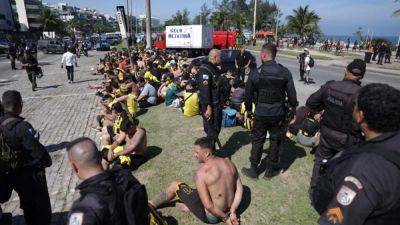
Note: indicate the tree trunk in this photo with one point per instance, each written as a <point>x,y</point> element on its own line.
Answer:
<point>148,24</point>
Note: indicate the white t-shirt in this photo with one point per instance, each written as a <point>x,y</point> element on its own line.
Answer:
<point>306,62</point>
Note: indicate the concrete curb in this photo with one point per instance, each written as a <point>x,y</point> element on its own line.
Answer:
<point>394,73</point>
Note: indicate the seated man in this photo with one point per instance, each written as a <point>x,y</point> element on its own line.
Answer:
<point>130,155</point>
<point>190,100</point>
<point>148,94</point>
<point>219,188</point>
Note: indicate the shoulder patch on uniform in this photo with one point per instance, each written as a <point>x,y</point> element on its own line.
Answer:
<point>76,219</point>
<point>205,77</point>
<point>345,195</point>
<point>354,181</point>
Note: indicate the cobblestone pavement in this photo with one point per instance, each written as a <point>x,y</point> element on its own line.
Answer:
<point>61,112</point>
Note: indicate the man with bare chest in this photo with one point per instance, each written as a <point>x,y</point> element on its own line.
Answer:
<point>132,154</point>
<point>218,190</point>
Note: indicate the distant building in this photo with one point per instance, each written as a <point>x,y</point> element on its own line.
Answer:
<point>6,16</point>
<point>28,13</point>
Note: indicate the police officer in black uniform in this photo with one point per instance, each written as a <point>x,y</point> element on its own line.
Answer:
<point>27,172</point>
<point>103,199</point>
<point>336,100</point>
<point>360,186</point>
<point>211,95</point>
<point>269,87</point>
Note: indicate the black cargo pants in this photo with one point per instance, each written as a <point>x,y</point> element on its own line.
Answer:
<point>263,124</point>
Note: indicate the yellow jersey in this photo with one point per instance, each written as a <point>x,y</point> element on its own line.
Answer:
<point>132,105</point>
<point>191,107</point>
<point>149,76</point>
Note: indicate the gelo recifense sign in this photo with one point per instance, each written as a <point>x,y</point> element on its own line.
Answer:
<point>178,33</point>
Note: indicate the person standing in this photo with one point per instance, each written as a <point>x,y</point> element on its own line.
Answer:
<point>105,196</point>
<point>388,54</point>
<point>211,96</point>
<point>69,59</point>
<point>242,62</point>
<point>307,66</point>
<point>361,185</point>
<point>301,58</point>
<point>336,100</point>
<point>25,173</point>
<point>398,52</point>
<point>381,53</point>
<point>269,87</point>
<point>30,63</point>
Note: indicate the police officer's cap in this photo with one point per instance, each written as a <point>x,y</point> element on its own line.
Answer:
<point>357,67</point>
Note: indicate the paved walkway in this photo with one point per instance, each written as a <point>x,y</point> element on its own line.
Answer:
<point>62,112</point>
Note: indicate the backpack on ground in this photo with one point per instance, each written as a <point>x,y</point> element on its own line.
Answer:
<point>311,63</point>
<point>228,117</point>
<point>9,158</point>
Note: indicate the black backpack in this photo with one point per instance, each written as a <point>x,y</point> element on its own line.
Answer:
<point>9,158</point>
<point>135,198</point>
<point>311,63</point>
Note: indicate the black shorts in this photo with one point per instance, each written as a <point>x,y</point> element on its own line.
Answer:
<point>190,197</point>
<point>136,161</point>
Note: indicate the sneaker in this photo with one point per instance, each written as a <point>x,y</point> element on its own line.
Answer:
<point>250,172</point>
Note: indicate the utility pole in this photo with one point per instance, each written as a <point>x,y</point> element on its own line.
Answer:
<point>276,26</point>
<point>148,24</point>
<point>254,19</point>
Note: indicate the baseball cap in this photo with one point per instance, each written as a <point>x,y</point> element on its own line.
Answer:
<point>357,67</point>
<point>306,49</point>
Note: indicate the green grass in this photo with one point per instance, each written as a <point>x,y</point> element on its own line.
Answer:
<point>281,201</point>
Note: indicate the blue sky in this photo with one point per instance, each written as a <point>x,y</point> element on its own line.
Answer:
<point>339,17</point>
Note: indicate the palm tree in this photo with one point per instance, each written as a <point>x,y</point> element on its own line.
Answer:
<point>303,21</point>
<point>49,20</point>
<point>74,24</point>
<point>180,18</point>
<point>397,12</point>
<point>220,20</point>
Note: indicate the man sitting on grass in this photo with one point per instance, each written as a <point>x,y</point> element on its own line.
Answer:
<point>218,190</point>
<point>130,154</point>
<point>148,94</point>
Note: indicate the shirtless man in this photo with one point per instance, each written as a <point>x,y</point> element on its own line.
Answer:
<point>130,155</point>
<point>218,190</point>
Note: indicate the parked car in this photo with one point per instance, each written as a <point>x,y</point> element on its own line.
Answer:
<point>52,46</point>
<point>103,45</point>
<point>66,39</point>
<point>228,57</point>
<point>4,46</point>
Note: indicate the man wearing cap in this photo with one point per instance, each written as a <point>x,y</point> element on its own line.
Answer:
<point>69,58</point>
<point>336,100</point>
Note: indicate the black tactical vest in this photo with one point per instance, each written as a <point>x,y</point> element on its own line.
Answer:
<point>339,103</point>
<point>271,88</point>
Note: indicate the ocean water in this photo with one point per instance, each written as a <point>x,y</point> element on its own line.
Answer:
<point>392,39</point>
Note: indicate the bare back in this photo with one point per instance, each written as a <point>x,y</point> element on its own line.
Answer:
<point>220,176</point>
